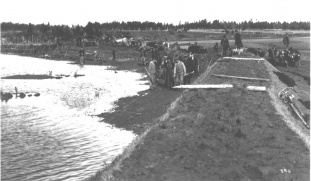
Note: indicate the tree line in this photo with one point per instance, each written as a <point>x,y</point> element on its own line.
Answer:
<point>64,32</point>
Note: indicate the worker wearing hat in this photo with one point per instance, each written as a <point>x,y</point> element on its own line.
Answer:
<point>225,45</point>
<point>179,70</point>
<point>286,41</point>
<point>152,73</point>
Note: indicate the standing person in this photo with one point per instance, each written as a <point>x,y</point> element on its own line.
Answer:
<point>82,54</point>
<point>196,65</point>
<point>168,67</point>
<point>152,73</point>
<point>286,41</point>
<point>190,67</point>
<point>143,56</point>
<point>179,71</point>
<point>274,52</point>
<point>113,54</point>
<point>238,41</point>
<point>225,45</point>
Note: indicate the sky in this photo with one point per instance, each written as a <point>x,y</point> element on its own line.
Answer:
<point>74,12</point>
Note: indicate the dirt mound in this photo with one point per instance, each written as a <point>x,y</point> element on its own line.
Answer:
<point>225,134</point>
<point>220,135</point>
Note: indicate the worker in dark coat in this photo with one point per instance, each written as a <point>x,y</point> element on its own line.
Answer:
<point>238,41</point>
<point>225,45</point>
<point>190,68</point>
<point>167,64</point>
<point>286,41</point>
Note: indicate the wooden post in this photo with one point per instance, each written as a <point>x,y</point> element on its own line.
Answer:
<point>218,86</point>
<point>237,77</point>
<point>16,91</point>
<point>210,86</point>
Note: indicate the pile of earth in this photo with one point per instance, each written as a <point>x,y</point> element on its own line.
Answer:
<point>220,134</point>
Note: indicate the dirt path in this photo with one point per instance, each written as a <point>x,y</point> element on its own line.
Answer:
<point>225,134</point>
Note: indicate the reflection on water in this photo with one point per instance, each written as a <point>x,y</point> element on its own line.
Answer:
<point>54,136</point>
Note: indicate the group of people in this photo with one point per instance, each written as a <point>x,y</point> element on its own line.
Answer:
<point>238,43</point>
<point>287,47</point>
<point>177,70</point>
<point>225,44</point>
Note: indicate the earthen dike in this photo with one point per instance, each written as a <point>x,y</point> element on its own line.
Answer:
<point>221,134</point>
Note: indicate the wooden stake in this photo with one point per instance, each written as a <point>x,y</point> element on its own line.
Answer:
<point>210,86</point>
<point>246,78</point>
<point>218,86</point>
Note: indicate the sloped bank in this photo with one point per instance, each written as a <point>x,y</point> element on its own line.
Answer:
<point>220,134</point>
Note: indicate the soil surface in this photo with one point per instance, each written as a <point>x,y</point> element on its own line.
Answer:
<point>223,134</point>
<point>139,112</point>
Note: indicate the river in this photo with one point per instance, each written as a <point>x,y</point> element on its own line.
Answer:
<point>57,136</point>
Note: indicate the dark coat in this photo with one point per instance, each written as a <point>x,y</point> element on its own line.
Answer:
<point>286,40</point>
<point>238,41</point>
<point>224,43</point>
<point>189,65</point>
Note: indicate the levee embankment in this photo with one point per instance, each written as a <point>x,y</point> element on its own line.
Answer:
<point>221,134</point>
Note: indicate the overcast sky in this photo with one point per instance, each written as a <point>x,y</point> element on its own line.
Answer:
<point>73,12</point>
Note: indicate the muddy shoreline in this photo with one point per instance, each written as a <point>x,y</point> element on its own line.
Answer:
<point>135,113</point>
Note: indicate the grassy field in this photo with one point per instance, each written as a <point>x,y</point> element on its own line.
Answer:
<point>300,43</point>
<point>198,35</point>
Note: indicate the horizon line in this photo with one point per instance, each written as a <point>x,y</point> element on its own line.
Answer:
<point>220,21</point>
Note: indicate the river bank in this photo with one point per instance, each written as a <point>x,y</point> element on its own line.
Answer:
<point>139,114</point>
<point>135,113</point>
<point>224,134</point>
<point>55,136</point>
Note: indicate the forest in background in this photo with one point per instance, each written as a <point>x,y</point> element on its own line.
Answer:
<point>64,32</point>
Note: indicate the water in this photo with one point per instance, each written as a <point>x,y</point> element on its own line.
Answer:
<point>56,136</point>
